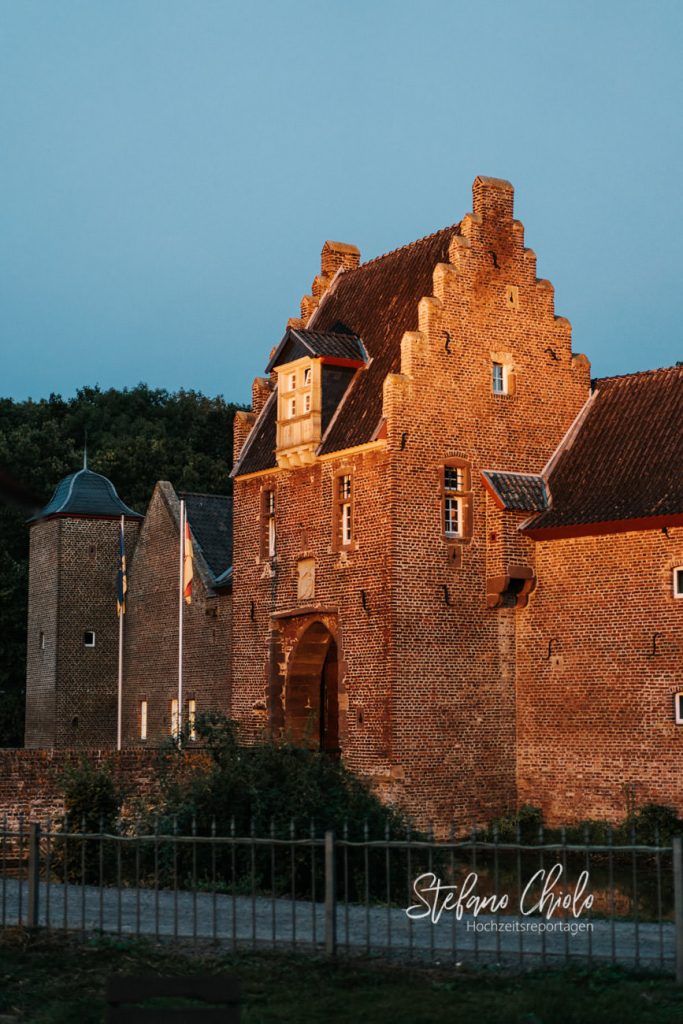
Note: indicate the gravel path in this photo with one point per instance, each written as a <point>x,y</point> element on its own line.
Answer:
<point>282,922</point>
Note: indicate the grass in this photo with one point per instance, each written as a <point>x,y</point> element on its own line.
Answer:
<point>48,981</point>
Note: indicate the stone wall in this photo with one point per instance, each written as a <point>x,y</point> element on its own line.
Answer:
<point>29,778</point>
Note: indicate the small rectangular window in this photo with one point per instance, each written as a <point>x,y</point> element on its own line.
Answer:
<point>453,478</point>
<point>268,531</point>
<point>143,719</point>
<point>291,408</point>
<point>678,581</point>
<point>88,638</point>
<point>41,640</point>
<point>453,516</point>
<point>307,376</point>
<point>343,511</point>
<point>498,378</point>
<point>678,708</point>
<point>456,501</point>
<point>307,402</point>
<point>292,381</point>
<point>192,719</point>
<point>174,718</point>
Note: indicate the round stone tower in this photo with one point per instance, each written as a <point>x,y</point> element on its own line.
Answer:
<point>72,642</point>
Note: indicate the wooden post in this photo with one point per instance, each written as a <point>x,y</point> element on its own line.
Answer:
<point>33,875</point>
<point>330,897</point>
<point>678,905</point>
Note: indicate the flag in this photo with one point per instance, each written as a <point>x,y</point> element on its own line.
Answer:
<point>187,565</point>
<point>122,581</point>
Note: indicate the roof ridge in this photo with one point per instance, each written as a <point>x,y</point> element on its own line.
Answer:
<point>401,248</point>
<point>638,373</point>
<point>203,494</point>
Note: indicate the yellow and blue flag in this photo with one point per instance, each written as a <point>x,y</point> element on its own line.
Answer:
<point>122,581</point>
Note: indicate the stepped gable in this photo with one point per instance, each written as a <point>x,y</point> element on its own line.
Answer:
<point>85,494</point>
<point>376,302</point>
<point>622,466</point>
<point>210,519</point>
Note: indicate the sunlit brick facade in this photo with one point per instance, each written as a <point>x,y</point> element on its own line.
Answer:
<point>454,558</point>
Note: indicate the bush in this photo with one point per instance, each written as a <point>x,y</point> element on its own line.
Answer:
<point>275,791</point>
<point>92,804</point>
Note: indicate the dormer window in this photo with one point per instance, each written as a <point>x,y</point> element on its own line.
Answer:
<point>314,371</point>
<point>299,416</point>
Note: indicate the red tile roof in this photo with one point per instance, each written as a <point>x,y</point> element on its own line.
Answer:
<point>377,302</point>
<point>625,462</point>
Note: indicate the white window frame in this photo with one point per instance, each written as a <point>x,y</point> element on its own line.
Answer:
<point>345,505</point>
<point>192,719</point>
<point>678,708</point>
<point>678,590</point>
<point>307,402</point>
<point>92,634</point>
<point>143,719</point>
<point>271,523</point>
<point>504,374</point>
<point>175,721</point>
<point>307,376</point>
<point>291,408</point>
<point>452,503</point>
<point>292,381</point>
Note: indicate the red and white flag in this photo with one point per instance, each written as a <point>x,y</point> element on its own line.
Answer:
<point>187,566</point>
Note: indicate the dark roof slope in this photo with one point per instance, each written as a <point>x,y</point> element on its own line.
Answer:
<point>626,460</point>
<point>520,492</point>
<point>377,302</point>
<point>298,343</point>
<point>210,518</point>
<point>85,494</point>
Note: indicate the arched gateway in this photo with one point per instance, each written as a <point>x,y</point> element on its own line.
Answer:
<point>311,702</point>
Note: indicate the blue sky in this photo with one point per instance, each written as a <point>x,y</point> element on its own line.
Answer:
<point>171,169</point>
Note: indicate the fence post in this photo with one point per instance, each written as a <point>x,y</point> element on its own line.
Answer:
<point>330,897</point>
<point>33,875</point>
<point>678,904</point>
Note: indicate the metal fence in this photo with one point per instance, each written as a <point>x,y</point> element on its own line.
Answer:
<point>474,898</point>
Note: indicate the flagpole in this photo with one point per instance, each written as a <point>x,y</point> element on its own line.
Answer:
<point>181,602</point>
<point>119,715</point>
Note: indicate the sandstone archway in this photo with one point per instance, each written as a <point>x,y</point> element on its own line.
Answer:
<point>311,692</point>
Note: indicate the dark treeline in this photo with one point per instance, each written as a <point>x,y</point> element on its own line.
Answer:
<point>135,437</point>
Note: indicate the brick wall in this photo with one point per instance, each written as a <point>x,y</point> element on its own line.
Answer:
<point>599,661</point>
<point>29,783</point>
<point>267,633</point>
<point>427,670</point>
<point>151,625</point>
<point>453,722</point>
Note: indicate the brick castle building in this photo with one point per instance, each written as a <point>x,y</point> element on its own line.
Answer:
<point>449,555</point>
